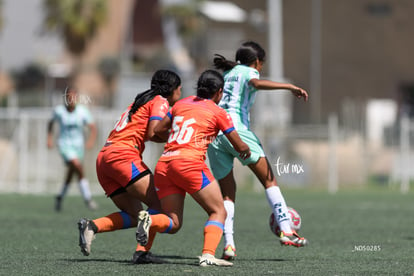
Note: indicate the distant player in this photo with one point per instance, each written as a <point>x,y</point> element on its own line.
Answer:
<point>72,119</point>
<point>242,81</point>
<point>194,122</point>
<point>122,173</point>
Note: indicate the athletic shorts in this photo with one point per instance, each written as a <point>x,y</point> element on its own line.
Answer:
<point>118,167</point>
<point>70,153</point>
<point>221,153</point>
<point>179,176</point>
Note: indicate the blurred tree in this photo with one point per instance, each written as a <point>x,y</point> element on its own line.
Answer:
<point>186,15</point>
<point>30,77</point>
<point>191,27</point>
<point>76,20</point>
<point>109,68</point>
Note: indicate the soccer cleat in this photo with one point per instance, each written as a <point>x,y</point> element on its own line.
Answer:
<point>143,227</point>
<point>86,236</point>
<point>144,257</point>
<point>58,203</point>
<point>210,260</point>
<point>292,239</point>
<point>91,205</point>
<point>229,253</point>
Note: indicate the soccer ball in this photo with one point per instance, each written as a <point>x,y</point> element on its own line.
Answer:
<point>295,222</point>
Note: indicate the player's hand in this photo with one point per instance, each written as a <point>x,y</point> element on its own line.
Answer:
<point>245,154</point>
<point>300,93</point>
<point>49,143</point>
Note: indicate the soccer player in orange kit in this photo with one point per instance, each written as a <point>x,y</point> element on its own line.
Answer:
<point>194,121</point>
<point>120,168</point>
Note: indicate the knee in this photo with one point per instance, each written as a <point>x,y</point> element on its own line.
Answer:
<point>222,213</point>
<point>219,214</point>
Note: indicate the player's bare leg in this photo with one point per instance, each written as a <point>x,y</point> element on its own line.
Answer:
<point>83,184</point>
<point>144,189</point>
<point>228,190</point>
<point>210,200</point>
<point>68,178</point>
<point>263,171</point>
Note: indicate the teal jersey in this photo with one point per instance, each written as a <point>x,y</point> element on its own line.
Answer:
<point>71,125</point>
<point>238,95</point>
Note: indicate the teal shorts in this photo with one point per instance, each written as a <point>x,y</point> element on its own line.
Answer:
<point>221,153</point>
<point>70,153</point>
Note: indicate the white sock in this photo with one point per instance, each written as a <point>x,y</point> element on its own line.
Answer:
<point>64,190</point>
<point>279,208</point>
<point>228,223</point>
<point>84,189</point>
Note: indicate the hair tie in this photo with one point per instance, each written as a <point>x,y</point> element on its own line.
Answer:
<point>238,62</point>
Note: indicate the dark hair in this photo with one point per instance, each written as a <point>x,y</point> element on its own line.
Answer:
<point>209,83</point>
<point>163,83</point>
<point>70,88</point>
<point>247,54</point>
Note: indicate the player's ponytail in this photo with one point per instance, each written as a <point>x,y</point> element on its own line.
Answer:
<point>222,63</point>
<point>209,83</point>
<point>247,54</point>
<point>163,83</point>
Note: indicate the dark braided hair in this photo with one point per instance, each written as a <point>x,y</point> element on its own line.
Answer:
<point>163,83</point>
<point>209,83</point>
<point>246,55</point>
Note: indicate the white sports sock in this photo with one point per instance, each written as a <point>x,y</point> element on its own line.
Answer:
<point>228,223</point>
<point>84,189</point>
<point>279,208</point>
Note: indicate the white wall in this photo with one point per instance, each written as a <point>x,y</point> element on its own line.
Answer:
<point>20,39</point>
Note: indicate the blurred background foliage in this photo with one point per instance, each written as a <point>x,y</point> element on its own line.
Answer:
<point>77,21</point>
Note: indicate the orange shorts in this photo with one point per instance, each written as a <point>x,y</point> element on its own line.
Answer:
<point>179,176</point>
<point>117,167</point>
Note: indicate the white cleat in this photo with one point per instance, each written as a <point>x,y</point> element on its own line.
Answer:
<point>292,239</point>
<point>210,260</point>
<point>86,236</point>
<point>92,205</point>
<point>229,253</point>
<point>143,227</point>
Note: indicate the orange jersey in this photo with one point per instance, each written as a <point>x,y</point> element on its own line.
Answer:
<point>134,133</point>
<point>195,124</point>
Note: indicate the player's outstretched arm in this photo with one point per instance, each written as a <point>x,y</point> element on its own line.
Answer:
<point>240,146</point>
<point>161,130</point>
<point>92,136</point>
<point>272,85</point>
<point>50,134</point>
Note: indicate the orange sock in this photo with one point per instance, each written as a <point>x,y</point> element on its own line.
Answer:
<point>112,222</point>
<point>213,231</point>
<point>161,223</point>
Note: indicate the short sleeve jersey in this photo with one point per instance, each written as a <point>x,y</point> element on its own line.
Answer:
<point>195,124</point>
<point>238,95</point>
<point>134,133</point>
<point>71,125</point>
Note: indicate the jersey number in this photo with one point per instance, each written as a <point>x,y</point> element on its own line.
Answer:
<point>182,134</point>
<point>122,122</point>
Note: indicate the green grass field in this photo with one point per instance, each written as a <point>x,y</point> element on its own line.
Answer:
<point>350,233</point>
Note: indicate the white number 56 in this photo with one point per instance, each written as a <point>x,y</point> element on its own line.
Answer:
<point>181,134</point>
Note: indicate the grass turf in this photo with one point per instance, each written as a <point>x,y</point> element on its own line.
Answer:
<point>350,233</point>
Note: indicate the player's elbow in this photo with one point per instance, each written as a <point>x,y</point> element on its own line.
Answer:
<point>157,139</point>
